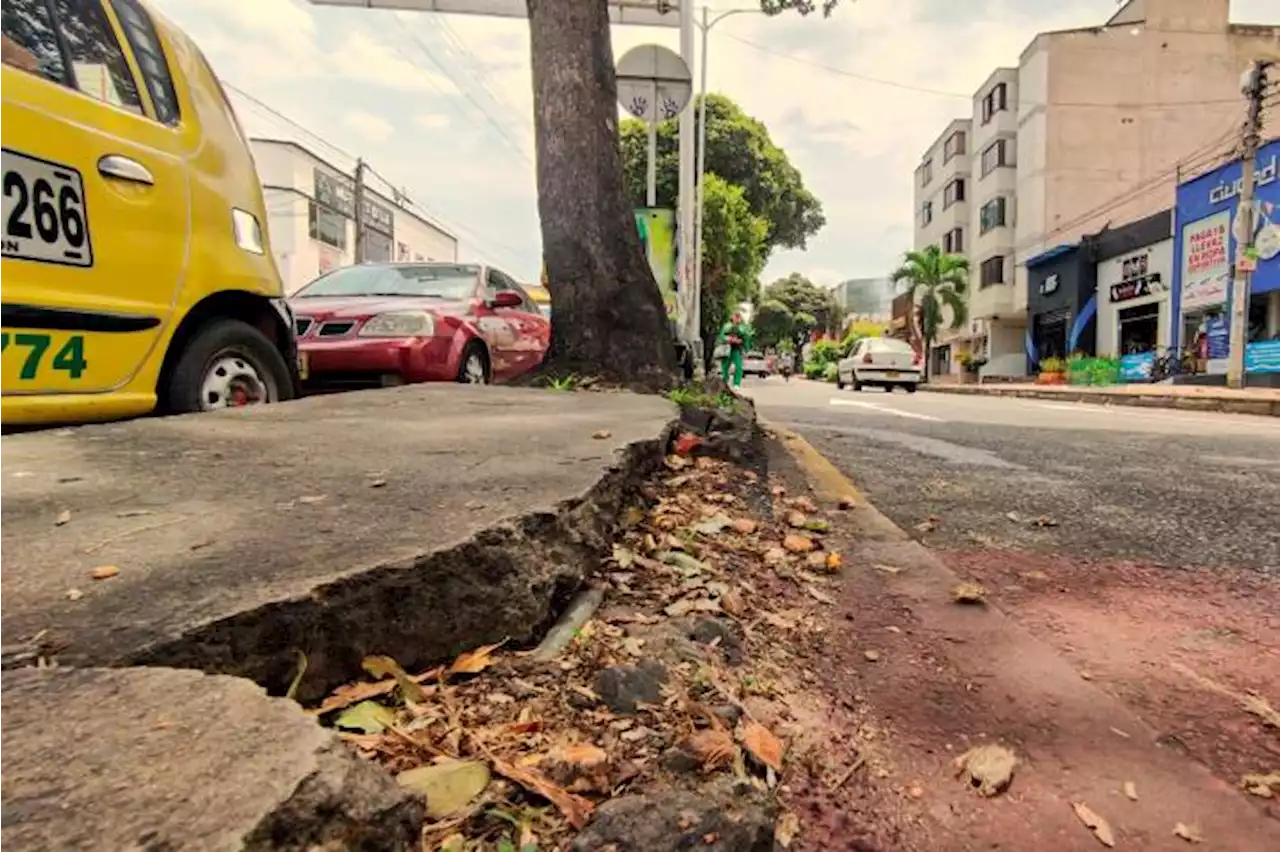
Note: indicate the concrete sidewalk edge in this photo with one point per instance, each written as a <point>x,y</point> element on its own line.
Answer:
<point>1207,402</point>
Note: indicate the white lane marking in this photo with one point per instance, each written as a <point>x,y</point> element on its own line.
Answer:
<point>879,409</point>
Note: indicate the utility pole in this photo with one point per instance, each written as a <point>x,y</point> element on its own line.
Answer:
<point>1253,84</point>
<point>357,201</point>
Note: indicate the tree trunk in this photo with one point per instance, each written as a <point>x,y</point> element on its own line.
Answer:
<point>608,318</point>
<point>928,356</point>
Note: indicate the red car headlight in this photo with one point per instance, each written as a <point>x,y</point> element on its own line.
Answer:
<point>400,324</point>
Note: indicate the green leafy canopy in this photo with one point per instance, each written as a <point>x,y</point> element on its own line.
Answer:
<point>936,281</point>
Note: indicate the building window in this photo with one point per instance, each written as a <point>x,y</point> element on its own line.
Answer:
<point>954,192</point>
<point>926,172</point>
<point>327,226</point>
<point>377,247</point>
<point>991,271</point>
<point>995,101</point>
<point>926,214</point>
<point>992,214</point>
<point>953,241</point>
<point>954,146</point>
<point>995,156</point>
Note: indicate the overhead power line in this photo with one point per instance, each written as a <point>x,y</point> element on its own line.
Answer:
<point>487,244</point>
<point>948,93</point>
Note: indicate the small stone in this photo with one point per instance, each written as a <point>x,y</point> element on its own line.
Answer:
<point>721,632</point>
<point>816,561</point>
<point>377,483</point>
<point>622,687</point>
<point>798,543</point>
<point>775,556</point>
<point>601,434</point>
<point>846,503</point>
<point>871,655</point>
<point>104,572</point>
<point>681,820</point>
<point>745,526</point>
<point>729,713</point>
<point>804,504</point>
<point>678,760</point>
<point>796,520</point>
<point>74,594</point>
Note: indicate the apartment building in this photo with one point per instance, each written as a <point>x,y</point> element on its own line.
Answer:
<point>942,209</point>
<point>865,297</point>
<point>1094,126</point>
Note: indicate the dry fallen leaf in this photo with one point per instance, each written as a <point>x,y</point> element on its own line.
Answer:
<point>786,829</point>
<point>1265,786</point>
<point>834,563</point>
<point>804,504</point>
<point>367,717</point>
<point>798,543</point>
<point>1101,828</point>
<point>382,666</point>
<point>888,569</point>
<point>763,745</point>
<point>312,499</point>
<point>816,561</point>
<point>987,768</point>
<point>968,593</point>
<point>74,594</point>
<point>713,746</point>
<point>820,596</point>
<point>449,786</point>
<point>104,572</point>
<point>926,526</point>
<point>583,756</point>
<point>474,662</point>
<point>1189,833</point>
<point>733,603</point>
<point>576,809</point>
<point>796,520</point>
<point>745,526</point>
<point>1260,707</point>
<point>1131,790</point>
<point>63,517</point>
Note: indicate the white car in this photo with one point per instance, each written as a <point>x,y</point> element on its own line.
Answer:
<point>880,362</point>
<point>755,364</point>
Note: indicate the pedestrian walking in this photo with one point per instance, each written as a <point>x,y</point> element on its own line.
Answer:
<point>737,335</point>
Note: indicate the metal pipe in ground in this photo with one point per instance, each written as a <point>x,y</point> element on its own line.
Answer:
<point>579,612</point>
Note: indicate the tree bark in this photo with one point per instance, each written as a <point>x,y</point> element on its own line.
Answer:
<point>608,318</point>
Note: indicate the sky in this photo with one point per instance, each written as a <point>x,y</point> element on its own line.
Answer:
<point>442,105</point>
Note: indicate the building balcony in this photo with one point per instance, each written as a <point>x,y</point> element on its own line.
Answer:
<point>990,302</point>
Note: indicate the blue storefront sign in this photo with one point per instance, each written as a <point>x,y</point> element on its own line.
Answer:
<point>1206,226</point>
<point>1262,357</point>
<point>1217,334</point>
<point>1137,368</point>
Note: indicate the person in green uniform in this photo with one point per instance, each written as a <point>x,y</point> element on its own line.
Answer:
<point>737,335</point>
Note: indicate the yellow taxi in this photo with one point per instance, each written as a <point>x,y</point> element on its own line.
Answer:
<point>136,272</point>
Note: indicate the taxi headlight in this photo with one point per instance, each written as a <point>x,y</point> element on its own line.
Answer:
<point>400,324</point>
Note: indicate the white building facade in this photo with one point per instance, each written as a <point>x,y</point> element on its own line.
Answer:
<point>311,217</point>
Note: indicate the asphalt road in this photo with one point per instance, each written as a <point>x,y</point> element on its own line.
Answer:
<point>1186,489</point>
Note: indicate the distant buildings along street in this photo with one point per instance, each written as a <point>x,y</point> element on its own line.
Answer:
<point>1093,129</point>
<point>870,297</point>
<point>311,217</point>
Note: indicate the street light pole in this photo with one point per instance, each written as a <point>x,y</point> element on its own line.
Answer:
<point>705,25</point>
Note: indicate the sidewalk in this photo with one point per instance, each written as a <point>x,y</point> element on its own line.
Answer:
<point>1259,401</point>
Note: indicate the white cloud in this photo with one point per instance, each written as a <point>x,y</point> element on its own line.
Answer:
<point>375,128</point>
<point>455,91</point>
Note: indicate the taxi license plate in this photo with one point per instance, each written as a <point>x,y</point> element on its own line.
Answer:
<point>45,219</point>
<point>303,366</point>
<point>893,374</point>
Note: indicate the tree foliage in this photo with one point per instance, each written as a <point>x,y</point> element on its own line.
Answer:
<point>740,151</point>
<point>732,257</point>
<point>811,306</point>
<point>937,282</point>
<point>773,322</point>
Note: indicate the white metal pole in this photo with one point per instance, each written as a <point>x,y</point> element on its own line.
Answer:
<point>651,167</point>
<point>700,176</point>
<point>687,180</point>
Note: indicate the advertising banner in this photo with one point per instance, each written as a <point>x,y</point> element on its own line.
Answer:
<point>657,228</point>
<point>1137,368</point>
<point>1205,264</point>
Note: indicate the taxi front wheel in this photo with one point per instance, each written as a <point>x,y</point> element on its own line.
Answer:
<point>228,364</point>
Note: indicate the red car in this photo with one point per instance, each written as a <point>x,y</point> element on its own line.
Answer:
<point>383,324</point>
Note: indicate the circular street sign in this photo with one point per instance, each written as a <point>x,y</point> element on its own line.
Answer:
<point>654,83</point>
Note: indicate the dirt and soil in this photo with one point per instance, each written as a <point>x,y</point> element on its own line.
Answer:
<point>764,675</point>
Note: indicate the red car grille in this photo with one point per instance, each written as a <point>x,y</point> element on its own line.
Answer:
<point>335,329</point>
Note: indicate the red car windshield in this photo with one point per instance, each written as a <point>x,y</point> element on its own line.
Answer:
<point>430,280</point>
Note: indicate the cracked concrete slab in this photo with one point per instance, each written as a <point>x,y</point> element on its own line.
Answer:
<point>413,522</point>
<point>164,760</point>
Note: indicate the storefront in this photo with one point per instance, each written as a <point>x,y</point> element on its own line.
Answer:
<point>1134,275</point>
<point>1061,304</point>
<point>1206,233</point>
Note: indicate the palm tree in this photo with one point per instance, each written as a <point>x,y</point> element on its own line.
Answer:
<point>935,278</point>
